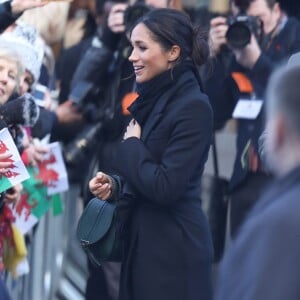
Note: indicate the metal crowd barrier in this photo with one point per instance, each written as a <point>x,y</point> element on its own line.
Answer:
<point>57,264</point>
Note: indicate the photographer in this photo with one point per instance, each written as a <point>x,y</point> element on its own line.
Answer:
<point>243,61</point>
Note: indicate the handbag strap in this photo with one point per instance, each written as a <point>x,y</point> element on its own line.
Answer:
<point>215,156</point>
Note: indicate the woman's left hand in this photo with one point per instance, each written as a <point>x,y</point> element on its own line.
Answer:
<point>133,130</point>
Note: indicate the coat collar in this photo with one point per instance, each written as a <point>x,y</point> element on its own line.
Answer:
<point>157,113</point>
<point>158,109</point>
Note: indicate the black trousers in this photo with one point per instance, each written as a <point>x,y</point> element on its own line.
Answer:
<point>244,197</point>
<point>96,286</point>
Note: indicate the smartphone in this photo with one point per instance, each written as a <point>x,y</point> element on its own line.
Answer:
<point>39,94</point>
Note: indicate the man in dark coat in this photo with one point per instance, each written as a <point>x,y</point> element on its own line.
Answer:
<point>262,262</point>
<point>241,72</point>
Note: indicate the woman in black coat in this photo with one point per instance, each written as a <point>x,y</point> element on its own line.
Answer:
<point>167,245</point>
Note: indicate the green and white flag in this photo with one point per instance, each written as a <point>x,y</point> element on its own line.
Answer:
<point>17,172</point>
<point>42,190</point>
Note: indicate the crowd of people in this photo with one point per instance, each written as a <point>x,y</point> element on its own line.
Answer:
<point>135,101</point>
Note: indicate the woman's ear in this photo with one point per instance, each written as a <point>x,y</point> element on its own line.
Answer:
<point>174,53</point>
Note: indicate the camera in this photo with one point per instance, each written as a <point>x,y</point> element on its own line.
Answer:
<point>39,94</point>
<point>134,12</point>
<point>240,29</point>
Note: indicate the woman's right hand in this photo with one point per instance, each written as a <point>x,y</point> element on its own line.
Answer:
<point>101,186</point>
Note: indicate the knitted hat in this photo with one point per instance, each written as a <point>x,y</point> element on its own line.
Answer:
<point>29,45</point>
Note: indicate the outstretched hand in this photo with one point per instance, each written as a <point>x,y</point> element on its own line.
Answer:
<point>35,153</point>
<point>19,6</point>
<point>67,112</point>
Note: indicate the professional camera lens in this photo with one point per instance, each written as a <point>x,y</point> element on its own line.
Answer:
<point>238,35</point>
<point>240,29</point>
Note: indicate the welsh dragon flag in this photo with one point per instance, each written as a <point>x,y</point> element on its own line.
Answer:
<point>41,191</point>
<point>17,172</point>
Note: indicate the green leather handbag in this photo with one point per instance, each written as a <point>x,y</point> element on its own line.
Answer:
<point>97,232</point>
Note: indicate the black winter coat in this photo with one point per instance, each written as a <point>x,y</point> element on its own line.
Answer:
<point>168,249</point>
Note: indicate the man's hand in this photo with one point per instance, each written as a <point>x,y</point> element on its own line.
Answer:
<point>217,34</point>
<point>19,6</point>
<point>248,56</point>
<point>116,18</point>
<point>67,112</point>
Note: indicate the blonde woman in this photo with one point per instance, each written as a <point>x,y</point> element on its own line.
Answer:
<point>11,70</point>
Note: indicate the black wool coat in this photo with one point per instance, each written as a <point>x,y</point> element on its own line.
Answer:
<point>168,249</point>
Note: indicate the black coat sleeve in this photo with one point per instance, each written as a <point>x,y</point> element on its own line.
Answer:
<point>6,16</point>
<point>45,123</point>
<point>94,67</point>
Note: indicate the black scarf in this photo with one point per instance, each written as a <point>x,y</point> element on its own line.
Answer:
<point>149,92</point>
